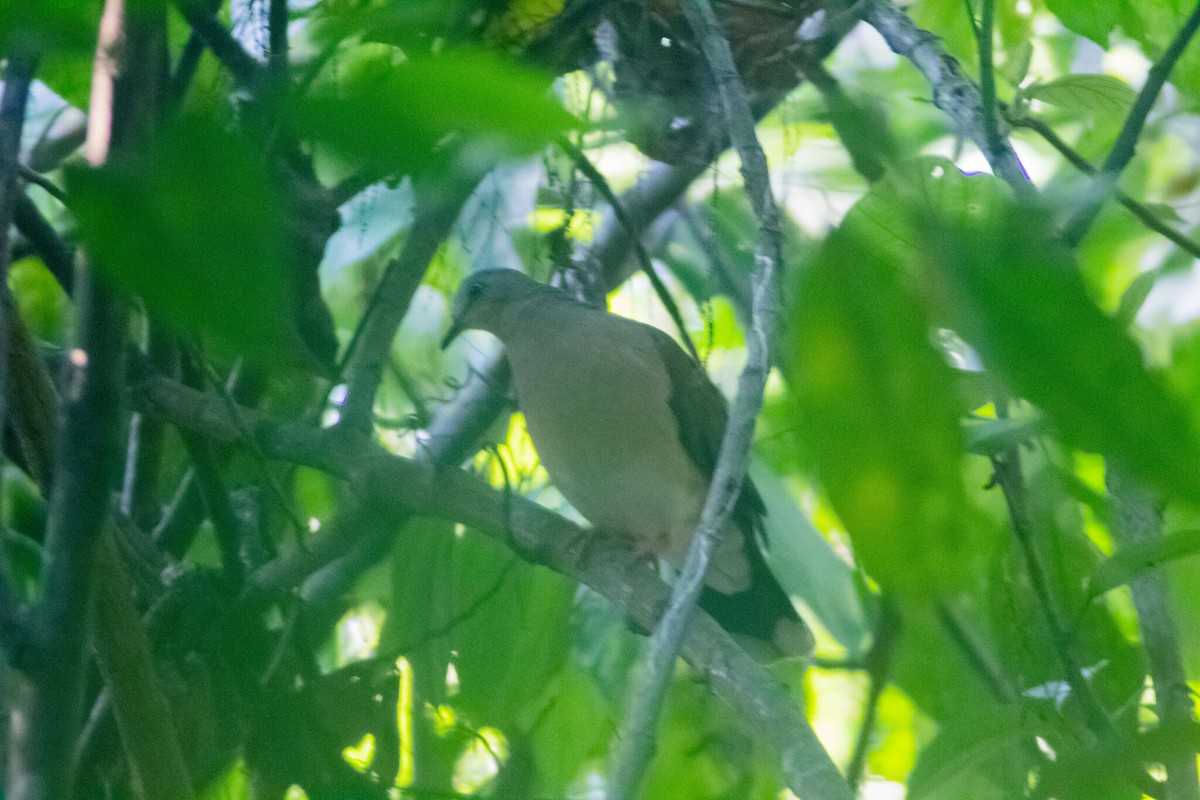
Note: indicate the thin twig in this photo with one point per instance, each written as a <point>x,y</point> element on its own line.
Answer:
<point>879,667</point>
<point>953,92</point>
<point>1146,216</point>
<point>1125,146</point>
<point>244,67</point>
<point>56,254</point>
<point>634,746</point>
<point>1009,477</point>
<point>987,76</point>
<point>40,180</point>
<point>584,165</point>
<point>869,144</point>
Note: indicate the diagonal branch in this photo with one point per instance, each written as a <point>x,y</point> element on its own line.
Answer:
<point>953,92</point>
<point>402,487</point>
<point>1145,215</point>
<point>1125,146</point>
<point>437,211</point>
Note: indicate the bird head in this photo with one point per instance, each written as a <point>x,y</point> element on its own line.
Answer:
<point>482,298</point>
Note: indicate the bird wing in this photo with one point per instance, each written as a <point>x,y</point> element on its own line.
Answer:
<point>699,408</point>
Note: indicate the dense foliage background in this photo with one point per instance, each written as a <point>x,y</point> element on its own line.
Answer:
<point>239,559</point>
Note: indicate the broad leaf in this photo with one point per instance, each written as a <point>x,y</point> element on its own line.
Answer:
<point>1092,94</point>
<point>1016,296</point>
<point>806,565</point>
<point>194,228</point>
<point>392,112</point>
<point>880,416</point>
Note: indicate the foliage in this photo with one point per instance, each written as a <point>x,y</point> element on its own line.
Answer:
<point>959,390</point>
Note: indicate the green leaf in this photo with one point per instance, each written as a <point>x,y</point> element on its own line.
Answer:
<point>1131,561</point>
<point>879,413</point>
<point>977,756</point>
<point>1134,296</point>
<point>194,228</point>
<point>989,437</point>
<point>806,565</point>
<point>1094,19</point>
<point>1092,94</point>
<point>393,112</point>
<point>58,25</point>
<point>1016,296</point>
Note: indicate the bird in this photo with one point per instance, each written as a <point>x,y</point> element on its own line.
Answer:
<point>628,426</point>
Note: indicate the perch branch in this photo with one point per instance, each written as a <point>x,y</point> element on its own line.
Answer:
<point>409,487</point>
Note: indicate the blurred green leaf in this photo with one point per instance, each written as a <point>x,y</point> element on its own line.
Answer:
<point>1094,19</point>
<point>980,756</point>
<point>1090,94</point>
<point>194,227</point>
<point>878,410</point>
<point>1017,297</point>
<point>1131,561</point>
<point>393,112</point>
<point>61,25</point>
<point>806,565</point>
<point>69,75</point>
<point>1134,296</point>
<point>989,437</point>
<point>572,724</point>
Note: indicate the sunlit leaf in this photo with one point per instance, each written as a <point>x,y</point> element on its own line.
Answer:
<point>1091,94</point>
<point>194,228</point>
<point>880,417</point>
<point>1134,296</point>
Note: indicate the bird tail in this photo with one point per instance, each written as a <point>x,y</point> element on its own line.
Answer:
<point>761,616</point>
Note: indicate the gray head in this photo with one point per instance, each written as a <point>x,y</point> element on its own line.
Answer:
<point>482,298</point>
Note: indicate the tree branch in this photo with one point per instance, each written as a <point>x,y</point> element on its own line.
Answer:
<point>244,67</point>
<point>1144,214</point>
<point>1138,520</point>
<point>953,92</point>
<point>46,715</point>
<point>437,211</point>
<point>634,746</point>
<point>405,487</point>
<point>1125,146</point>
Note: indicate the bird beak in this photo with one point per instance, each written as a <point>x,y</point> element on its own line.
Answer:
<point>455,329</point>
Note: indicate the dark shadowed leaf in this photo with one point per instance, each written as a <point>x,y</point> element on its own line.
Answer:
<point>392,112</point>
<point>194,228</point>
<point>61,25</point>
<point>878,410</point>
